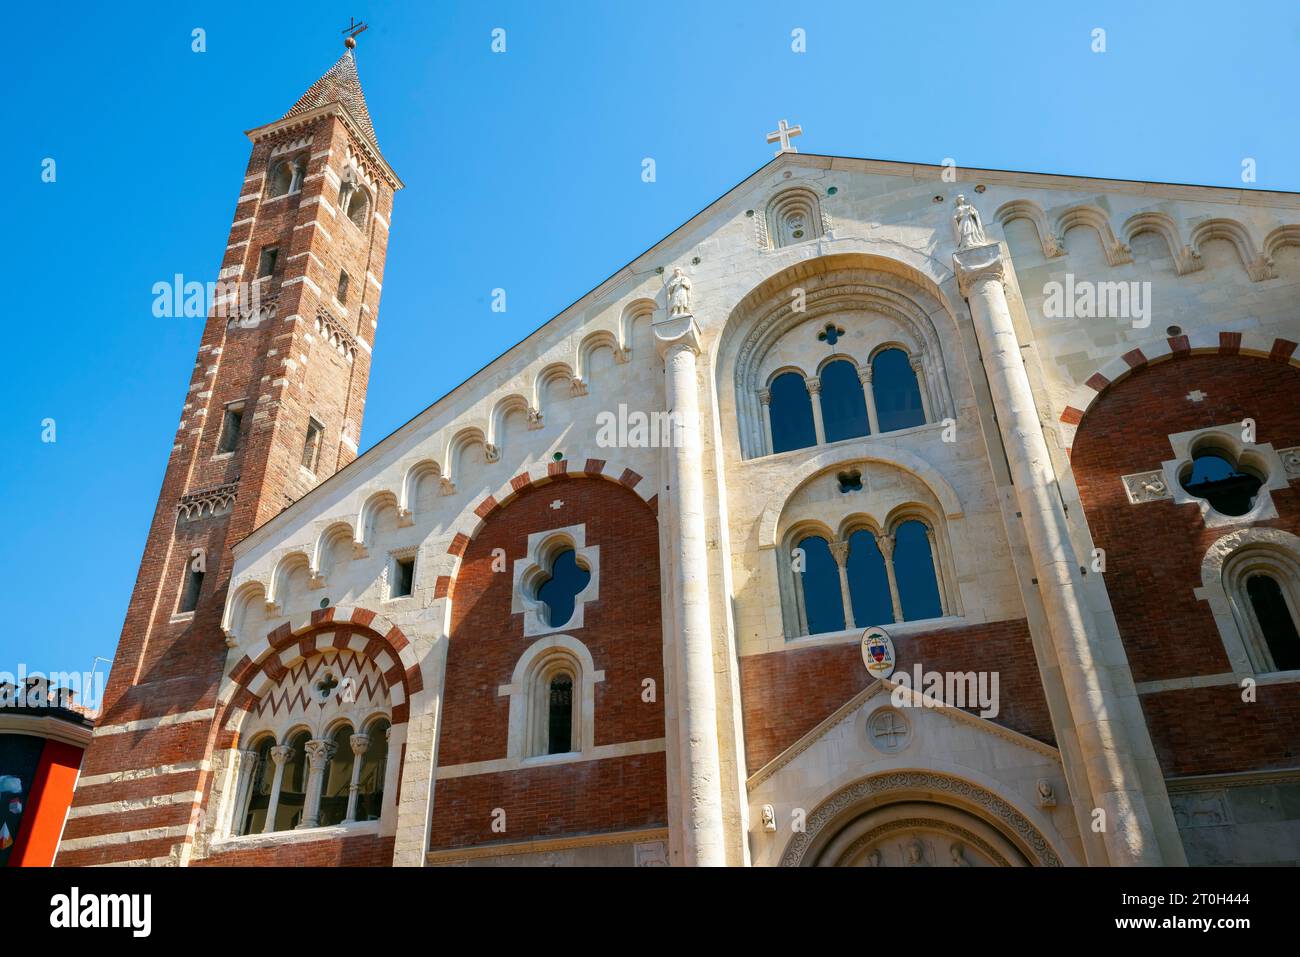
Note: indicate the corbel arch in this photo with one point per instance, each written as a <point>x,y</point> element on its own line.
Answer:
<point>599,339</point>
<point>636,309</point>
<point>1259,266</point>
<point>284,570</point>
<point>1282,236</point>
<point>1031,211</point>
<point>425,468</point>
<point>375,503</point>
<point>1186,260</point>
<point>555,371</point>
<point>326,541</point>
<point>457,446</point>
<point>1094,217</point>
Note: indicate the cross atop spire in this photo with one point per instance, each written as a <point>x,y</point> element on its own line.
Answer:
<point>785,134</point>
<point>353,30</point>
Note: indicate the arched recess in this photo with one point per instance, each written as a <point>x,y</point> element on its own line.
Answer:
<point>637,309</point>
<point>368,517</point>
<point>1094,217</point>
<point>458,447</point>
<point>1027,209</point>
<point>1186,260</point>
<point>794,215</point>
<point>599,339</point>
<point>324,555</point>
<point>281,578</point>
<point>1259,266</point>
<point>840,830</point>
<point>555,372</point>
<point>858,282</point>
<point>425,470</point>
<point>1282,236</point>
<point>245,606</point>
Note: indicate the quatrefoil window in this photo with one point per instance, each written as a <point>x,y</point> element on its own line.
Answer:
<point>325,685</point>
<point>830,334</point>
<point>1215,476</point>
<point>562,586</point>
<point>850,481</point>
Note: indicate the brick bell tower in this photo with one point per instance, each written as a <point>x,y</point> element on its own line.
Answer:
<point>273,409</point>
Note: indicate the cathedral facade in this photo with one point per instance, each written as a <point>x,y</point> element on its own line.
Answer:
<point>1037,438</point>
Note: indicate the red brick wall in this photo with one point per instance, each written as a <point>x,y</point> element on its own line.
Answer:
<point>1154,550</point>
<point>581,798</point>
<point>622,632</point>
<point>362,851</point>
<point>785,694</point>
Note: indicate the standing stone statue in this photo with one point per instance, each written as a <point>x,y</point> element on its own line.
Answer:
<point>679,293</point>
<point>966,225</point>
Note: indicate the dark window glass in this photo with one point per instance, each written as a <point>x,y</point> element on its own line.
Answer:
<point>230,429</point>
<point>560,716</point>
<point>898,397</point>
<point>844,406</point>
<point>918,592</point>
<point>404,574</point>
<point>342,294</point>
<point>1275,621</point>
<point>193,585</point>
<point>558,592</point>
<point>266,261</point>
<point>1214,478</point>
<point>821,587</point>
<point>792,416</point>
<point>868,581</point>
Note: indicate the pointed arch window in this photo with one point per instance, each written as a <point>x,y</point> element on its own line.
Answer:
<point>896,390</point>
<point>791,413</point>
<point>844,405</point>
<point>559,724</point>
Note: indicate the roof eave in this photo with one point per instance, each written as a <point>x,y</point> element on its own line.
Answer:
<point>337,109</point>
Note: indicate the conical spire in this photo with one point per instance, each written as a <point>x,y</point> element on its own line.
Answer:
<point>339,85</point>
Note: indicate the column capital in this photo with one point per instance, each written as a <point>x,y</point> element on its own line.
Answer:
<point>864,373</point>
<point>840,552</point>
<point>765,396</point>
<point>813,384</point>
<point>360,743</point>
<point>886,545</point>
<point>318,752</point>
<point>675,333</point>
<point>976,263</point>
<point>281,753</point>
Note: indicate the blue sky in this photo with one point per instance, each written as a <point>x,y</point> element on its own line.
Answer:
<point>523,172</point>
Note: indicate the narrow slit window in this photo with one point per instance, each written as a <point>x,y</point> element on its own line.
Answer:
<point>560,716</point>
<point>403,577</point>
<point>266,261</point>
<point>230,426</point>
<point>341,294</point>
<point>311,446</point>
<point>190,591</point>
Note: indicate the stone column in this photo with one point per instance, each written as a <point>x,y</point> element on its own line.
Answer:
<point>1104,742</point>
<point>246,768</point>
<point>678,342</point>
<point>938,571</point>
<point>840,551</point>
<point>280,754</point>
<point>886,545</point>
<point>864,376</point>
<point>918,370</point>
<point>360,743</point>
<point>814,386</point>
<point>765,401</point>
<point>318,755</point>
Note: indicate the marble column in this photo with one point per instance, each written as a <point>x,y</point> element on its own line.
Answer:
<point>677,340</point>
<point>318,755</point>
<point>864,376</point>
<point>246,771</point>
<point>360,743</point>
<point>938,570</point>
<point>1107,751</point>
<point>280,754</point>
<point>840,551</point>
<point>765,402</point>
<point>918,370</point>
<point>886,545</point>
<point>814,386</point>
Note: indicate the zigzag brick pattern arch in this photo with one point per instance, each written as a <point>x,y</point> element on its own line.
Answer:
<point>345,628</point>
<point>1173,347</point>
<point>539,475</point>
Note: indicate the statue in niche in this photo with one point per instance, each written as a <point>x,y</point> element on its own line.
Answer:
<point>874,859</point>
<point>679,293</point>
<point>967,227</point>
<point>958,854</point>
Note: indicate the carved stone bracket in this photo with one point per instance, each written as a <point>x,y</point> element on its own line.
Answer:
<point>976,263</point>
